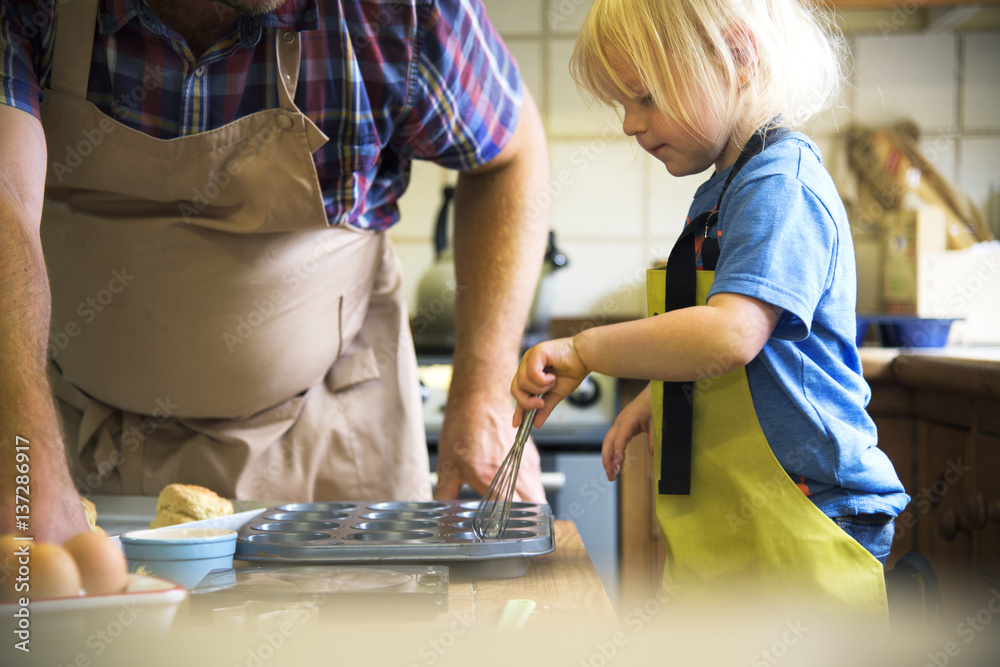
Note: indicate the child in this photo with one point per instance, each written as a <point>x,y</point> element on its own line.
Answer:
<point>769,477</point>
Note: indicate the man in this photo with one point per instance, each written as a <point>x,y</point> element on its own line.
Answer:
<point>226,308</point>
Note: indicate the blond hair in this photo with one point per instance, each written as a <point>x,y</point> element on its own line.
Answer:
<point>753,60</point>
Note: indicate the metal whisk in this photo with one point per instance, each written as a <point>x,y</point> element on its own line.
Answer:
<point>493,514</point>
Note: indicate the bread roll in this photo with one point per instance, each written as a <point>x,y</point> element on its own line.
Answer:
<point>91,511</point>
<point>183,503</point>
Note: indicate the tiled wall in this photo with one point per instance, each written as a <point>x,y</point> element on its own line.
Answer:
<point>615,209</point>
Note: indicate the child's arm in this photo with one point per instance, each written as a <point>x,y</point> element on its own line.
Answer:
<point>679,346</point>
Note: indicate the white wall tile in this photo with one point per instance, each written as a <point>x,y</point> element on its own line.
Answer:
<point>569,114</point>
<point>907,76</point>
<point>669,198</point>
<point>566,16</point>
<point>941,151</point>
<point>981,85</point>
<point>528,53</point>
<point>596,189</point>
<point>515,16</point>
<point>419,205</point>
<point>617,211</point>
<point>604,280</point>
<point>979,170</point>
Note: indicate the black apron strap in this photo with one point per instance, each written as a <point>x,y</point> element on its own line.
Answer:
<point>680,291</point>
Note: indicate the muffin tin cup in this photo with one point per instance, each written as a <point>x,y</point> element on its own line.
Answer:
<point>417,531</point>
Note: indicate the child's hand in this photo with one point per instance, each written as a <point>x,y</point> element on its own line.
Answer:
<point>636,418</point>
<point>548,373</point>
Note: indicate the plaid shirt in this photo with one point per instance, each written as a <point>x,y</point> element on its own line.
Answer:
<point>388,81</point>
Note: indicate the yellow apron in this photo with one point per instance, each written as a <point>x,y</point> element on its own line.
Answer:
<point>744,530</point>
<point>208,325</point>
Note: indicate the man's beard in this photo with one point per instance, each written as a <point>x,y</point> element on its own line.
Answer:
<point>252,7</point>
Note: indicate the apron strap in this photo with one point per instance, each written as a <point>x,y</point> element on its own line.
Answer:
<point>680,292</point>
<point>75,23</point>
<point>288,52</point>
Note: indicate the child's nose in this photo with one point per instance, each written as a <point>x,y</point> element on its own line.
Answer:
<point>632,123</point>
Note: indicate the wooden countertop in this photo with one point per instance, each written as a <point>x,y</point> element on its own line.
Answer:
<point>563,584</point>
<point>961,369</point>
<point>571,607</point>
<point>572,612</point>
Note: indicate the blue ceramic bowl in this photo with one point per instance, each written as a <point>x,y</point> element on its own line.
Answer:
<point>914,332</point>
<point>864,322</point>
<point>184,555</point>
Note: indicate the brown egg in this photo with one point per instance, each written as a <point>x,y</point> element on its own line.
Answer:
<point>54,573</point>
<point>101,563</point>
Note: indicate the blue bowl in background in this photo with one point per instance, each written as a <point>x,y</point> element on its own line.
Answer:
<point>183,555</point>
<point>914,331</point>
<point>864,323</point>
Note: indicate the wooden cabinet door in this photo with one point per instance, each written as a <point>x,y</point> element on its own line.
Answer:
<point>945,481</point>
<point>984,510</point>
<point>895,438</point>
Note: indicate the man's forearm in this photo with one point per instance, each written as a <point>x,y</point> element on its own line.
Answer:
<point>27,411</point>
<point>500,242</point>
<point>28,422</point>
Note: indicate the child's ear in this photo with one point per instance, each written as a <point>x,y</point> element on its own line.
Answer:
<point>743,45</point>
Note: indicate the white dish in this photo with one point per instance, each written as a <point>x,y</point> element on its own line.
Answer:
<point>180,534</point>
<point>147,604</point>
<point>230,522</point>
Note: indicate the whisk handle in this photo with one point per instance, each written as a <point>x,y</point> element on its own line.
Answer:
<point>524,430</point>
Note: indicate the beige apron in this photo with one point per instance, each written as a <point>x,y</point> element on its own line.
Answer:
<point>208,326</point>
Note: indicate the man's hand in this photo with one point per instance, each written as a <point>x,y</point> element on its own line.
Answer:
<point>475,438</point>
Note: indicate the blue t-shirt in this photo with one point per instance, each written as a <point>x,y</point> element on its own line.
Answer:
<point>785,240</point>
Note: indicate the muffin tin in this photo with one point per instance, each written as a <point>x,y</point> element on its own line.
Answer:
<point>353,532</point>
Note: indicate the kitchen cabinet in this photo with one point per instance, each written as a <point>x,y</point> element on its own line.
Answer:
<point>955,511</point>
<point>938,415</point>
